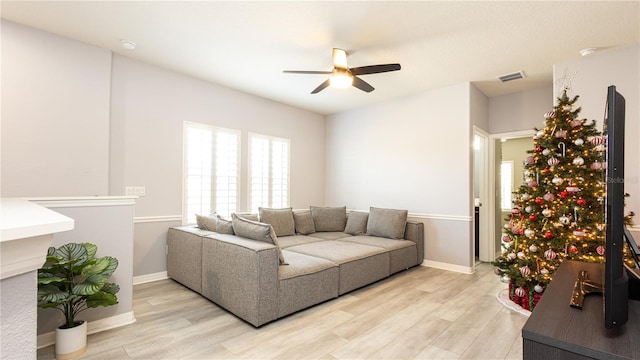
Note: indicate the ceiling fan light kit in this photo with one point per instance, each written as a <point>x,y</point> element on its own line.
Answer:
<point>343,77</point>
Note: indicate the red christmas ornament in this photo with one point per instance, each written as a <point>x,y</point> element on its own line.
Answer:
<point>581,202</point>
<point>600,250</point>
<point>539,200</point>
<point>548,235</point>
<point>533,217</point>
<point>573,249</point>
<point>563,194</point>
<point>538,148</point>
<point>546,170</point>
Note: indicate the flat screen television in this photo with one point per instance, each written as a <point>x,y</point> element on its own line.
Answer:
<point>616,288</point>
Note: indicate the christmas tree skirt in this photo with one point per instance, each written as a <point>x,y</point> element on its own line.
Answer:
<point>503,298</point>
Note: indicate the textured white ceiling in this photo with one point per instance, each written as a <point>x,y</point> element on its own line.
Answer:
<point>246,45</point>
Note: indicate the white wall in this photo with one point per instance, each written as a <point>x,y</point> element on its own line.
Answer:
<point>519,111</point>
<point>55,115</point>
<point>412,153</point>
<point>77,121</point>
<point>149,106</point>
<point>593,75</point>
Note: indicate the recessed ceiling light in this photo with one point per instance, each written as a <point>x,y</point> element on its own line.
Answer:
<point>587,51</point>
<point>129,45</point>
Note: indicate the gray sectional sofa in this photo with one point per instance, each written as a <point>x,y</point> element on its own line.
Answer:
<point>290,260</point>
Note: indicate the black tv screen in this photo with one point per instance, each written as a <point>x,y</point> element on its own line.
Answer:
<point>616,290</point>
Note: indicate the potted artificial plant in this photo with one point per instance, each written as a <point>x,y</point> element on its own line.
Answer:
<point>72,280</point>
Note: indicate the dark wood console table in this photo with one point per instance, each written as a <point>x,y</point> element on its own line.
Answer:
<point>557,331</point>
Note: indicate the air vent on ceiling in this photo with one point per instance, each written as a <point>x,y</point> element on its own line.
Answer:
<point>512,76</point>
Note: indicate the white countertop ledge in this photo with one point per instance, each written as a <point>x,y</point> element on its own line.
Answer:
<point>20,218</point>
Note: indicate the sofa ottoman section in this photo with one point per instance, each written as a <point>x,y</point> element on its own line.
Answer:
<point>293,240</point>
<point>241,275</point>
<point>184,256</point>
<point>359,264</point>
<point>403,254</point>
<point>306,281</point>
<point>328,235</point>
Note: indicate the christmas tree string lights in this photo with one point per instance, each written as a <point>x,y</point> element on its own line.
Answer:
<point>558,213</point>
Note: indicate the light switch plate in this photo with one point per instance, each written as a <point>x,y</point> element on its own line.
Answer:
<point>135,191</point>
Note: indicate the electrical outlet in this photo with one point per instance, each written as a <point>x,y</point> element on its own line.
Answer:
<point>135,191</point>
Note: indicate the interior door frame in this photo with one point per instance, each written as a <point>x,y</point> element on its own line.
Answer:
<point>484,193</point>
<point>494,232</point>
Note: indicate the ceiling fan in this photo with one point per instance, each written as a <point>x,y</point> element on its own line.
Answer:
<point>342,76</point>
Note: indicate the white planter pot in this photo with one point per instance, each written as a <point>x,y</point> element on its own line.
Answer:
<point>72,342</point>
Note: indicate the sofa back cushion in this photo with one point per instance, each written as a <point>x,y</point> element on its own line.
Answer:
<point>329,218</point>
<point>257,231</point>
<point>304,222</point>
<point>281,220</point>
<point>207,222</point>
<point>357,223</point>
<point>249,216</point>
<point>389,223</point>
<point>223,226</point>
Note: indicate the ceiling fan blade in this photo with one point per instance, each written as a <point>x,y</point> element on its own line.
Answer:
<point>339,58</point>
<point>321,87</point>
<point>374,69</point>
<point>305,72</point>
<point>362,85</point>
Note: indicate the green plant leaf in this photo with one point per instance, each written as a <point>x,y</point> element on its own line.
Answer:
<point>113,265</point>
<point>91,249</point>
<point>111,288</point>
<point>51,293</point>
<point>47,278</point>
<point>72,253</point>
<point>96,267</point>
<point>101,299</point>
<point>91,285</point>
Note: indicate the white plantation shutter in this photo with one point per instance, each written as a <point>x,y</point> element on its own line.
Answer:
<point>506,184</point>
<point>211,164</point>
<point>268,172</point>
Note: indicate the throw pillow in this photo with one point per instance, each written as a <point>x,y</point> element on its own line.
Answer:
<point>249,216</point>
<point>281,220</point>
<point>356,223</point>
<point>329,218</point>
<point>304,222</point>
<point>389,223</point>
<point>223,226</point>
<point>257,231</point>
<point>207,222</point>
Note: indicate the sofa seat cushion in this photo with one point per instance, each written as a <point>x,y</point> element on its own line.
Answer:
<point>359,264</point>
<point>288,241</point>
<point>403,254</point>
<point>307,281</point>
<point>329,235</point>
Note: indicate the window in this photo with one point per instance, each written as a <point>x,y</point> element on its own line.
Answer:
<point>268,172</point>
<point>211,170</point>
<point>506,184</point>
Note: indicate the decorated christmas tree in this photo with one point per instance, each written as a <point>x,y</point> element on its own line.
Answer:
<point>558,213</point>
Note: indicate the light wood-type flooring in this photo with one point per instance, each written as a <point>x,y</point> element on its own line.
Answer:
<point>421,313</point>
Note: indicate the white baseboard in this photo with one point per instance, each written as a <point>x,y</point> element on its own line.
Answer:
<point>93,327</point>
<point>141,279</point>
<point>447,266</point>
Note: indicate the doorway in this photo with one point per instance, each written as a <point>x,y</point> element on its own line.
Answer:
<point>505,175</point>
